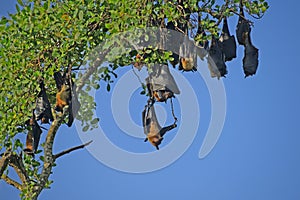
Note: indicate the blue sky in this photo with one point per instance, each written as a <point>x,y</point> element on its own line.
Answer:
<point>256,157</point>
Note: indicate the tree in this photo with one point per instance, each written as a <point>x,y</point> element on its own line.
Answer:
<point>46,39</point>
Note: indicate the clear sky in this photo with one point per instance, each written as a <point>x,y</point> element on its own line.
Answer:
<point>256,157</point>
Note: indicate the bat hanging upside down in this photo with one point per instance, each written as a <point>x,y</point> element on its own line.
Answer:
<point>152,128</point>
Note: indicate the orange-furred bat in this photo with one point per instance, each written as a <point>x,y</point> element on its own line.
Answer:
<point>250,60</point>
<point>152,128</point>
<point>33,137</point>
<point>43,108</point>
<point>66,96</point>
<point>63,96</point>
<point>161,84</point>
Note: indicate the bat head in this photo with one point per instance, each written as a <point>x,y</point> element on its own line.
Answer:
<point>162,95</point>
<point>155,140</point>
<point>187,64</point>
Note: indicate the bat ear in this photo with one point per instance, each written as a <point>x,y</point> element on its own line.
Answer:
<point>146,139</point>
<point>157,148</point>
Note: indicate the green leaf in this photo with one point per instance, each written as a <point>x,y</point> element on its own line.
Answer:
<point>81,15</point>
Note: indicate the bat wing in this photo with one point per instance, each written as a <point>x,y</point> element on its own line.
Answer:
<point>59,80</point>
<point>217,59</point>
<point>36,132</point>
<point>43,107</point>
<point>74,105</point>
<point>164,80</point>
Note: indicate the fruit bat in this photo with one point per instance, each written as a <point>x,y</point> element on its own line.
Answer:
<point>227,42</point>
<point>250,60</point>
<point>243,26</point>
<point>43,108</point>
<point>161,84</point>
<point>216,60</point>
<point>33,136</point>
<point>66,96</point>
<point>152,128</point>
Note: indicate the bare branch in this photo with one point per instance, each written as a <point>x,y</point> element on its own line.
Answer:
<point>17,163</point>
<point>4,162</point>
<point>48,156</point>
<point>71,149</point>
<point>12,182</point>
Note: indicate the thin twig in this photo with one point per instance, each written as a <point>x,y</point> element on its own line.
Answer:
<point>71,149</point>
<point>172,109</point>
<point>138,77</point>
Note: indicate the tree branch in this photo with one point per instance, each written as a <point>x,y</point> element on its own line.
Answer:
<point>17,163</point>
<point>11,182</point>
<point>4,162</point>
<point>71,149</point>
<point>48,156</point>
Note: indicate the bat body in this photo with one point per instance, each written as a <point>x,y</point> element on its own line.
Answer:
<point>66,96</point>
<point>227,41</point>
<point>250,60</point>
<point>33,137</point>
<point>161,84</point>
<point>152,128</point>
<point>243,26</point>
<point>216,59</point>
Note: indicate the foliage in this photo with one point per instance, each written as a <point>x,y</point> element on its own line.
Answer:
<point>43,37</point>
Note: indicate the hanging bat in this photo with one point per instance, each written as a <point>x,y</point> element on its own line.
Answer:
<point>161,84</point>
<point>250,60</point>
<point>66,95</point>
<point>216,60</point>
<point>43,108</point>
<point>227,42</point>
<point>33,137</point>
<point>243,26</point>
<point>152,128</point>
<point>63,96</point>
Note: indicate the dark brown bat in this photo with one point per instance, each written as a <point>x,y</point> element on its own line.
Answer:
<point>216,59</point>
<point>161,84</point>
<point>152,128</point>
<point>227,42</point>
<point>43,108</point>
<point>250,60</point>
<point>243,26</point>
